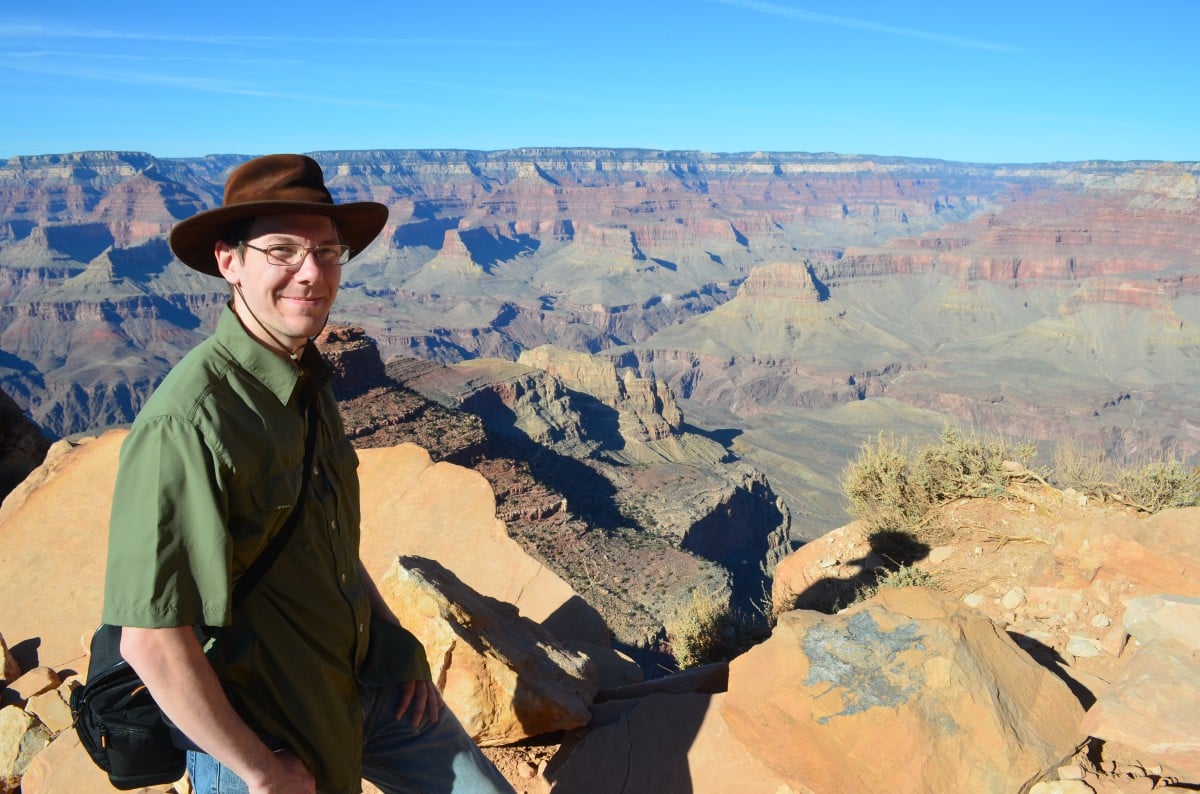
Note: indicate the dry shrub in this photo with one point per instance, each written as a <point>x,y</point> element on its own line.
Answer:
<point>881,488</point>
<point>1149,487</point>
<point>1158,486</point>
<point>701,631</point>
<point>1084,470</point>
<point>891,488</point>
<point>904,576</point>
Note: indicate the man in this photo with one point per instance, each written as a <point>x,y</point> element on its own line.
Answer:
<point>309,683</point>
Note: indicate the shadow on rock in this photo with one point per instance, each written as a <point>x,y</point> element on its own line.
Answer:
<point>890,551</point>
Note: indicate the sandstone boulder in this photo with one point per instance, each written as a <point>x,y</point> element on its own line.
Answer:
<point>54,531</point>
<point>863,700</point>
<point>1152,707</point>
<point>505,677</point>
<point>825,572</point>
<point>413,506</point>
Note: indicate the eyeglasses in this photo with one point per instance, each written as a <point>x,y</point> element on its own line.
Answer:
<point>292,255</point>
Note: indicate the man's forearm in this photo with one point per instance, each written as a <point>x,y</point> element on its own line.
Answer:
<point>172,664</point>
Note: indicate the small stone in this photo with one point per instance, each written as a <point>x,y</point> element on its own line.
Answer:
<point>1115,640</point>
<point>1013,598</point>
<point>940,554</point>
<point>526,770</point>
<point>52,710</point>
<point>827,563</point>
<point>1070,772</point>
<point>1083,647</point>
<point>35,682</point>
<point>1101,621</point>
<point>974,600</point>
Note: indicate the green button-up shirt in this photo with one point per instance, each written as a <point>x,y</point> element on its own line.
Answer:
<point>208,474</point>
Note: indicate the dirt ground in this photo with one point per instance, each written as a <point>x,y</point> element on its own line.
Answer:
<point>522,765</point>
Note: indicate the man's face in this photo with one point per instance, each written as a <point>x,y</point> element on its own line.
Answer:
<point>292,304</point>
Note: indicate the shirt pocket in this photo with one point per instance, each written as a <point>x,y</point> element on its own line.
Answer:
<point>257,511</point>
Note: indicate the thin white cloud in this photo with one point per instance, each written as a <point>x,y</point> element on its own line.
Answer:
<point>201,84</point>
<point>132,57</point>
<point>26,31</point>
<point>788,12</point>
<point>93,72</point>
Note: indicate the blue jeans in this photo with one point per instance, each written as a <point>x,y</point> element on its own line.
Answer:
<point>433,758</point>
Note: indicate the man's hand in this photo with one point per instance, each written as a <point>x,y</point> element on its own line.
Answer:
<point>287,775</point>
<point>419,699</point>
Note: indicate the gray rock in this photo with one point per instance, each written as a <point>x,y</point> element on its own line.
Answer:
<point>1164,617</point>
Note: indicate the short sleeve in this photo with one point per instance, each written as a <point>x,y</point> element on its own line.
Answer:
<point>168,547</point>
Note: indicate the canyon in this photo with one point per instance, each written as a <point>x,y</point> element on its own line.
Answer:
<point>794,305</point>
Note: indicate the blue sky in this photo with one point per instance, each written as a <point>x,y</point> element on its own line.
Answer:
<point>985,82</point>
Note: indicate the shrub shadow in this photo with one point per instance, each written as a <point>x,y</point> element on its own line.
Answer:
<point>890,551</point>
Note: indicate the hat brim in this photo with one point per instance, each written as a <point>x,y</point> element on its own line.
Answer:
<point>193,239</point>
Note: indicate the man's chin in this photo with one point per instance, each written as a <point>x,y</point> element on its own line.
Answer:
<point>302,330</point>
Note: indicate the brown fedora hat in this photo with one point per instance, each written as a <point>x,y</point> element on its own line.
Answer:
<point>275,184</point>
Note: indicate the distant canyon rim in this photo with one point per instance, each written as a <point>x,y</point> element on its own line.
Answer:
<point>795,304</point>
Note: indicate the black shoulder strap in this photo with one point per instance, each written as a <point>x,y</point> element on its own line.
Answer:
<point>263,563</point>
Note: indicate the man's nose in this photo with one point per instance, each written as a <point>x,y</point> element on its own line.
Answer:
<point>310,269</point>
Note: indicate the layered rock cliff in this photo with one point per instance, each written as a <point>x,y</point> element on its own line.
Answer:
<point>1022,298</point>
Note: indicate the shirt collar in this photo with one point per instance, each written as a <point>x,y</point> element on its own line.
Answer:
<point>278,374</point>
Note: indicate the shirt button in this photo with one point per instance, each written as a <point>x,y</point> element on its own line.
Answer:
<point>315,471</point>
<point>333,524</point>
<point>360,628</point>
<point>343,578</point>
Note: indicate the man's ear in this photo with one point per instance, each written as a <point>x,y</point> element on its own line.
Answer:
<point>227,262</point>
